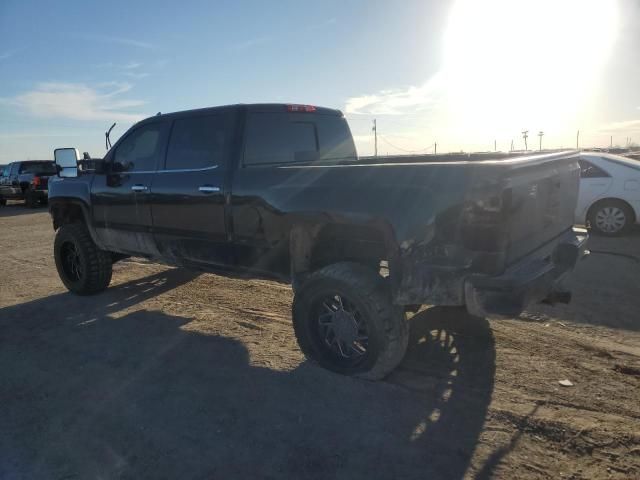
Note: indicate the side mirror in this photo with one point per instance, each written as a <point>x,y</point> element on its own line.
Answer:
<point>67,161</point>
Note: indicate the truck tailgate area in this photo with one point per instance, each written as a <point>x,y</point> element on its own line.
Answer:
<point>535,200</point>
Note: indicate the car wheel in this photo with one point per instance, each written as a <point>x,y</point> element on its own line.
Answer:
<point>344,320</point>
<point>610,218</point>
<point>82,266</point>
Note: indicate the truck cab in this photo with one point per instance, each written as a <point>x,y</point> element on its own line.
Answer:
<point>26,181</point>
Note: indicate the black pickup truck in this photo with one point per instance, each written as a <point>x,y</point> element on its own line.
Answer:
<point>277,191</point>
<point>26,181</point>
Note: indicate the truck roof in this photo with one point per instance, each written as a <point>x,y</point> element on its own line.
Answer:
<point>251,107</point>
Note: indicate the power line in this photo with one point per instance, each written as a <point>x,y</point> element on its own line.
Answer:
<point>404,149</point>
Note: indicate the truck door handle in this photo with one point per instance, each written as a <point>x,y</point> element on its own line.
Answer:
<point>139,188</point>
<point>208,189</point>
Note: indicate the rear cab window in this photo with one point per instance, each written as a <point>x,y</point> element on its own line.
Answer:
<point>38,168</point>
<point>273,138</point>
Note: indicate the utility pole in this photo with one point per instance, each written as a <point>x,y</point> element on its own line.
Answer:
<point>375,136</point>
<point>525,135</point>
<point>511,149</point>
<point>578,140</point>
<point>540,134</point>
<point>495,145</point>
<point>611,142</point>
<point>435,148</point>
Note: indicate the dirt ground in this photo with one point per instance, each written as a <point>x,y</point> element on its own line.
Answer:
<point>174,374</point>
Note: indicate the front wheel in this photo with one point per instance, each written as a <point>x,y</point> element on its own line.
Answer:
<point>344,320</point>
<point>82,266</point>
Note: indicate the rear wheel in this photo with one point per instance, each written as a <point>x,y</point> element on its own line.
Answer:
<point>610,218</point>
<point>344,320</point>
<point>82,266</point>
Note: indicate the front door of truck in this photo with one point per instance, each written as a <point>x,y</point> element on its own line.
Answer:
<point>5,189</point>
<point>10,184</point>
<point>188,199</point>
<point>121,197</point>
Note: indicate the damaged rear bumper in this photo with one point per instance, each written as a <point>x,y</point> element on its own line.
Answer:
<point>538,277</point>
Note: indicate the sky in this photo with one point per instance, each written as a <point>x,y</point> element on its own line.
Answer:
<point>462,74</point>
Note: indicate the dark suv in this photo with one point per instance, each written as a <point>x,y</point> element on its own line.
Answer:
<point>26,181</point>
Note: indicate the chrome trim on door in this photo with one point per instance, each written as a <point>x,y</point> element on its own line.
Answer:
<point>180,170</point>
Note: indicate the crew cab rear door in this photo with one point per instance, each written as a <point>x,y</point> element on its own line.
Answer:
<point>6,190</point>
<point>121,197</point>
<point>188,206</point>
<point>11,185</point>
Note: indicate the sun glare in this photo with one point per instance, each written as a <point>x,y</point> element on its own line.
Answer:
<point>524,63</point>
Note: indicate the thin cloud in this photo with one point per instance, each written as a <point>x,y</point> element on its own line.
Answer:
<point>37,135</point>
<point>254,42</point>
<point>77,101</point>
<point>130,69</point>
<point>327,23</point>
<point>136,75</point>
<point>7,54</point>
<point>627,125</point>
<point>117,40</point>
<point>131,66</point>
<point>398,101</point>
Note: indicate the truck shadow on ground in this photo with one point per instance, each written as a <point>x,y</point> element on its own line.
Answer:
<point>90,391</point>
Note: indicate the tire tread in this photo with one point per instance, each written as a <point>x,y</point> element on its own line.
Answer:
<point>98,261</point>
<point>375,293</point>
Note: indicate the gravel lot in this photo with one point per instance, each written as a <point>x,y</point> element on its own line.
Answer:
<point>175,374</point>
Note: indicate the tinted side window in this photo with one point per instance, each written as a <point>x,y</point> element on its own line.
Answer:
<point>142,148</point>
<point>589,170</point>
<point>5,170</point>
<point>273,138</point>
<point>14,169</point>
<point>199,142</point>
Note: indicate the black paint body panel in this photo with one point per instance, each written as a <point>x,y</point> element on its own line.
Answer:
<point>436,224</point>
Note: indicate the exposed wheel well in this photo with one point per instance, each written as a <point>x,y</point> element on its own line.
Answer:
<point>313,248</point>
<point>602,201</point>
<point>65,213</point>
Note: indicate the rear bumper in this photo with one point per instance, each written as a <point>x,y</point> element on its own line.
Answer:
<point>538,277</point>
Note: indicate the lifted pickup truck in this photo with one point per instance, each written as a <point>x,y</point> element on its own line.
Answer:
<point>277,191</point>
<point>26,181</point>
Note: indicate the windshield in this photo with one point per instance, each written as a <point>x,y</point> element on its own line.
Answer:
<point>40,168</point>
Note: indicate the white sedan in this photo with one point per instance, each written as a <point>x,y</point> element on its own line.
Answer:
<point>609,200</point>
